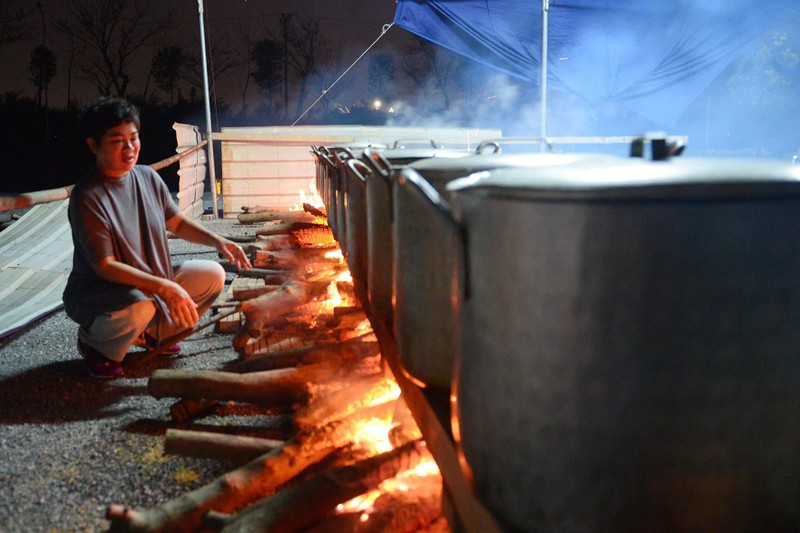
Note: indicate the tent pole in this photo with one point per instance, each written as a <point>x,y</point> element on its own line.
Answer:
<point>211,172</point>
<point>543,91</point>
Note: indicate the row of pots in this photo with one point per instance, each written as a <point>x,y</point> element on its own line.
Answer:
<point>620,335</point>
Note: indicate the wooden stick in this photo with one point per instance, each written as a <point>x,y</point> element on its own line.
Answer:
<point>185,409</point>
<point>218,446</point>
<point>288,228</point>
<point>271,387</point>
<point>246,484</point>
<point>360,395</point>
<point>341,353</point>
<point>305,503</point>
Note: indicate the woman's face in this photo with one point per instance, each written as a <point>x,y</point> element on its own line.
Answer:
<point>118,149</point>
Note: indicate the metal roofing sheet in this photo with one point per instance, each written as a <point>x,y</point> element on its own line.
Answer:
<point>35,261</point>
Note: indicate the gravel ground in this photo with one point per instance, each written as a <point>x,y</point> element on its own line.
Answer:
<point>71,445</point>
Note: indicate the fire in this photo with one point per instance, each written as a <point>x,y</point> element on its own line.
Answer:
<point>311,198</point>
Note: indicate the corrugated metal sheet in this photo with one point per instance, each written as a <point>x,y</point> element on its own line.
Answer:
<point>35,261</point>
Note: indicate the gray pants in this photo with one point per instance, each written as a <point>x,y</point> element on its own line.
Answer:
<point>113,333</point>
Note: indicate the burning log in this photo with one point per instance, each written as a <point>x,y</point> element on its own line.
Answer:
<point>264,309</point>
<point>271,387</point>
<point>342,353</point>
<point>246,484</point>
<point>270,276</point>
<point>362,394</point>
<point>403,513</point>
<point>314,210</point>
<point>218,446</point>
<point>286,217</point>
<point>288,228</point>
<point>291,259</point>
<point>274,242</point>
<point>307,502</point>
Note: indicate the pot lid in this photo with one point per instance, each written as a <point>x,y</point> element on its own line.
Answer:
<point>439,169</point>
<point>636,179</point>
<point>404,156</point>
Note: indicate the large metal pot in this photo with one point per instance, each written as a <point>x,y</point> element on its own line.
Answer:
<point>325,169</point>
<point>356,218</point>
<point>631,363</point>
<point>424,254</point>
<point>386,165</point>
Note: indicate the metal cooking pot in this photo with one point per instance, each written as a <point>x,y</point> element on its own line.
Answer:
<point>340,155</point>
<point>386,165</point>
<point>631,363</point>
<point>325,168</point>
<point>424,253</point>
<point>356,218</point>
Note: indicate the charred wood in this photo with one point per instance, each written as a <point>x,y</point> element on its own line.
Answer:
<point>246,484</point>
<point>218,446</point>
<point>271,387</point>
<point>339,353</point>
<point>305,503</point>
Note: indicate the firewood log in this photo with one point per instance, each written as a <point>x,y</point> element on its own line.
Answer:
<point>246,484</point>
<point>185,409</point>
<point>274,242</point>
<point>340,353</point>
<point>218,446</point>
<point>270,276</point>
<point>269,216</point>
<point>289,259</point>
<point>266,308</point>
<point>314,210</point>
<point>271,387</point>
<point>287,228</point>
<point>403,513</point>
<point>306,502</point>
<point>361,394</point>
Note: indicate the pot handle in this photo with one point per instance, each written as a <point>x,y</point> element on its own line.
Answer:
<point>358,168</point>
<point>427,195</point>
<point>497,144</point>
<point>401,143</point>
<point>378,163</point>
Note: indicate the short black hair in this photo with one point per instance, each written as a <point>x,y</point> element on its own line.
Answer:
<point>106,113</point>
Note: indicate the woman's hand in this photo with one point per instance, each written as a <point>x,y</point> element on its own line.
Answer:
<point>182,309</point>
<point>234,253</point>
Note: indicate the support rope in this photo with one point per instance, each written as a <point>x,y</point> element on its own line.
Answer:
<point>343,74</point>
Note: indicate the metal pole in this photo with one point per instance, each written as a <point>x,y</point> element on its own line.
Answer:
<point>211,172</point>
<point>543,93</point>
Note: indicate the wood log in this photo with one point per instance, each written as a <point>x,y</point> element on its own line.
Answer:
<point>274,242</point>
<point>249,292</point>
<point>362,394</point>
<point>185,409</point>
<point>314,210</point>
<point>343,354</point>
<point>287,228</point>
<point>403,513</point>
<point>218,446</point>
<point>264,309</point>
<point>244,485</point>
<point>271,387</point>
<point>270,276</point>
<point>306,502</point>
<point>291,259</point>
<point>316,236</point>
<point>287,217</point>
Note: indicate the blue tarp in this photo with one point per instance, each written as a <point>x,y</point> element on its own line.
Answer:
<point>650,57</point>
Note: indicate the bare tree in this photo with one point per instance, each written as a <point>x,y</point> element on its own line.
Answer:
<point>168,68</point>
<point>110,33</point>
<point>308,50</point>
<point>15,25</point>
<point>432,69</point>
<point>267,57</point>
<point>381,71</point>
<point>42,68</point>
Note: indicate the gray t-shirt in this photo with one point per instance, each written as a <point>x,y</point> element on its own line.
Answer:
<point>124,218</point>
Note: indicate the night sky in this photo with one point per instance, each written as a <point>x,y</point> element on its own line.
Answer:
<point>350,25</point>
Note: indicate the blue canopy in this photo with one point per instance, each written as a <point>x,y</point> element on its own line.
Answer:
<point>651,57</point>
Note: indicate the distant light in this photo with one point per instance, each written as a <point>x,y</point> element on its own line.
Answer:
<point>377,104</point>
<point>563,59</point>
<point>391,110</point>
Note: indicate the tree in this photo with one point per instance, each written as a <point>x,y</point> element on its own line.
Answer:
<point>431,69</point>
<point>307,50</point>
<point>381,71</point>
<point>168,68</point>
<point>14,23</point>
<point>267,56</point>
<point>42,68</point>
<point>110,33</point>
